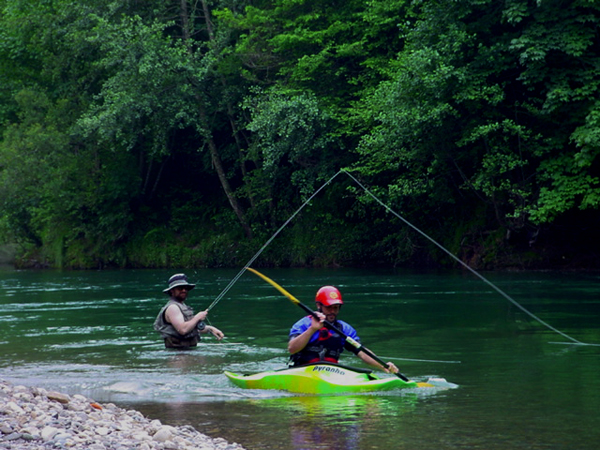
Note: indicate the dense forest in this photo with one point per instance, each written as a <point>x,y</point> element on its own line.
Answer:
<point>185,133</point>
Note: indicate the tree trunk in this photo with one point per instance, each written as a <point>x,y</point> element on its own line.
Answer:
<point>234,128</point>
<point>214,151</point>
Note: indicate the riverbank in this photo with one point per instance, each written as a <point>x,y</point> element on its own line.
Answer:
<point>33,418</point>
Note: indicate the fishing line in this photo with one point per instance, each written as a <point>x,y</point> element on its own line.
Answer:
<point>492,285</point>
<point>421,360</point>
<point>234,280</point>
<point>474,272</point>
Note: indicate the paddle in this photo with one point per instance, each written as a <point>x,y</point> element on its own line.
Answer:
<point>329,325</point>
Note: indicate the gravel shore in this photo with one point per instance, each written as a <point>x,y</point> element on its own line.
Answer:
<point>36,419</point>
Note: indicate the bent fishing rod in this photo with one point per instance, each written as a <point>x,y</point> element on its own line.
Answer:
<point>357,345</point>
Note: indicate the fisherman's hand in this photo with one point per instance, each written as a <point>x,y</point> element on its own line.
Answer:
<point>215,332</point>
<point>202,315</point>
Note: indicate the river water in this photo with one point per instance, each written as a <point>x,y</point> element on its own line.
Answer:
<point>519,384</point>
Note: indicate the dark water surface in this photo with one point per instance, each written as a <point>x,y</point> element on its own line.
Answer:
<point>518,387</point>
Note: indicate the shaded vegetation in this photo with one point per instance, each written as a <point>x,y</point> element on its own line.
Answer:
<point>185,133</point>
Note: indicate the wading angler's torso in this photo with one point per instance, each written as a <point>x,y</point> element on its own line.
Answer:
<point>172,338</point>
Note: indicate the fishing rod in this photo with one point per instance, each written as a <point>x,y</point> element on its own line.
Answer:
<point>232,282</point>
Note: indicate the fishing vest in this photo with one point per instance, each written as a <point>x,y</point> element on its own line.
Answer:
<point>328,347</point>
<point>172,338</point>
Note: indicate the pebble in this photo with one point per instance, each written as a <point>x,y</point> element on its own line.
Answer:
<point>35,419</point>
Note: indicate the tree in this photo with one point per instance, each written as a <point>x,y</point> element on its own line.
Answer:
<point>492,104</point>
<point>311,62</point>
<point>160,85</point>
<point>54,194</point>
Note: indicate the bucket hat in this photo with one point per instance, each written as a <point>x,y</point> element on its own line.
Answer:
<point>178,280</point>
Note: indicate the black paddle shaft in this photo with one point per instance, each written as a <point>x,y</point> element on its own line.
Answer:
<point>351,341</point>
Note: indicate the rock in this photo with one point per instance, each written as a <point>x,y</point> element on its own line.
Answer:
<point>102,431</point>
<point>97,446</point>
<point>162,435</point>
<point>29,437</point>
<point>32,431</point>
<point>48,433</point>
<point>15,408</point>
<point>140,435</point>
<point>37,419</point>
<point>12,436</point>
<point>58,397</point>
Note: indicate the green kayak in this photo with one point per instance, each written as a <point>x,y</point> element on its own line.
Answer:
<point>321,378</point>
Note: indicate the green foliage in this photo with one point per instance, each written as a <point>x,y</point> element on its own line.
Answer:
<point>31,156</point>
<point>492,101</point>
<point>291,137</point>
<point>165,133</point>
<point>60,195</point>
<point>148,94</point>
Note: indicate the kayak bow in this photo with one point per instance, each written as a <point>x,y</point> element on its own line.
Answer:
<point>321,378</point>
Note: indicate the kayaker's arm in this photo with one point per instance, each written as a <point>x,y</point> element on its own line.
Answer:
<point>372,362</point>
<point>299,342</point>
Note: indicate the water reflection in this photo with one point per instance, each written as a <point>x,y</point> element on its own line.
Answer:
<point>335,422</point>
<point>187,361</point>
<point>288,422</point>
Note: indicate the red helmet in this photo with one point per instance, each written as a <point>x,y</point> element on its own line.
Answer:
<point>329,295</point>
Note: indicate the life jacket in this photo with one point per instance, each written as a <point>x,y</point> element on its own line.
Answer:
<point>172,338</point>
<point>328,347</point>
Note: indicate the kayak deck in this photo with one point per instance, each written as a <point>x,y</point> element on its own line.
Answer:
<point>319,378</point>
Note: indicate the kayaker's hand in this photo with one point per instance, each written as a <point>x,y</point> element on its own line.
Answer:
<point>391,368</point>
<point>317,324</point>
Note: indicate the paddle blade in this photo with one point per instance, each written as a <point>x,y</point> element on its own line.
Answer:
<point>275,285</point>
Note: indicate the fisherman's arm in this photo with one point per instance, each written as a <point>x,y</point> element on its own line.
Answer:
<point>214,331</point>
<point>174,316</point>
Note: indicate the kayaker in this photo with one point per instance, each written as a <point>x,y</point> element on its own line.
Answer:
<point>310,341</point>
<point>176,321</point>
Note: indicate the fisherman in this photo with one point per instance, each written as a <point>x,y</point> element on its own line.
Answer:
<point>176,321</point>
<point>311,341</point>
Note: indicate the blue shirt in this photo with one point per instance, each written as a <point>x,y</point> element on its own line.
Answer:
<point>304,324</point>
